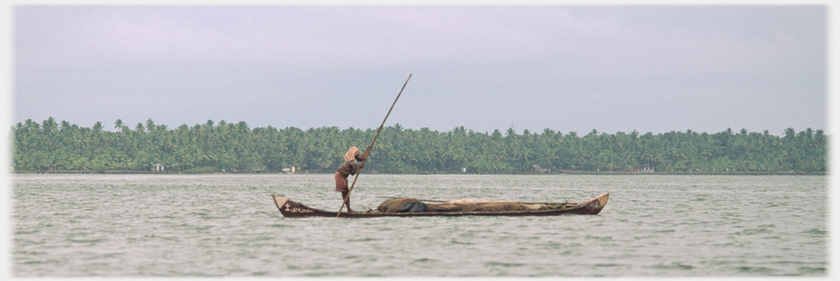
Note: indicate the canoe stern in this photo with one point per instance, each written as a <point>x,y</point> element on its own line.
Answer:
<point>595,205</point>
<point>280,201</point>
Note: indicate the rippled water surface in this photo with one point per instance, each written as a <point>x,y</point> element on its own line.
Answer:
<point>227,225</point>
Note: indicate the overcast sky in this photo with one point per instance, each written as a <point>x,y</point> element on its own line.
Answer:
<point>568,68</point>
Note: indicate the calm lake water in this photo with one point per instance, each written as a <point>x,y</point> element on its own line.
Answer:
<point>227,225</point>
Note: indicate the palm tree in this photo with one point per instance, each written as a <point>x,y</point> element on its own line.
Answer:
<point>150,125</point>
<point>139,128</point>
<point>118,124</point>
<point>49,125</point>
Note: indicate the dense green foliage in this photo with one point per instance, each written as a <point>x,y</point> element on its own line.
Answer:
<point>50,146</point>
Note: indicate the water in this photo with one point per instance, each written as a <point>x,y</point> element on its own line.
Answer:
<point>227,225</point>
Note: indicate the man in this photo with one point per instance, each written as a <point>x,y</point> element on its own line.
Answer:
<point>349,167</point>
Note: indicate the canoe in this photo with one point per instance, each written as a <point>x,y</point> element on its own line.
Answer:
<point>293,209</point>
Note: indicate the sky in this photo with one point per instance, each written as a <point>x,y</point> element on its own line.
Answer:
<point>649,68</point>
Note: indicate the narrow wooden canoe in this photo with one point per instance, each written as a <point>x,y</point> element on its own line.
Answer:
<point>592,206</point>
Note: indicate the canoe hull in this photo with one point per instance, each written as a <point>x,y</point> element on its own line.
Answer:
<point>293,209</point>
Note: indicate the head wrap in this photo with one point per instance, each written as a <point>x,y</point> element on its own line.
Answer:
<point>351,154</point>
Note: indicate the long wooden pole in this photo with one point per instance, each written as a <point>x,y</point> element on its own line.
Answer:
<point>367,151</point>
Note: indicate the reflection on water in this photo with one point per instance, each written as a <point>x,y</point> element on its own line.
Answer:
<point>227,225</point>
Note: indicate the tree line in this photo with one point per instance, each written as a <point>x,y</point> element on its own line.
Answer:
<point>51,146</point>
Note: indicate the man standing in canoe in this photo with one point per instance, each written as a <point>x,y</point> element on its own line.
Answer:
<point>349,167</point>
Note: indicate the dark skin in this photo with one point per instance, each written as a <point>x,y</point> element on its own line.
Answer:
<point>345,195</point>
<point>347,201</point>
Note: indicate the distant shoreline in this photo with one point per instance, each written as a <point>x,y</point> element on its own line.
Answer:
<point>561,172</point>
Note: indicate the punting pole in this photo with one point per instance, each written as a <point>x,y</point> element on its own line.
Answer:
<point>367,151</point>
